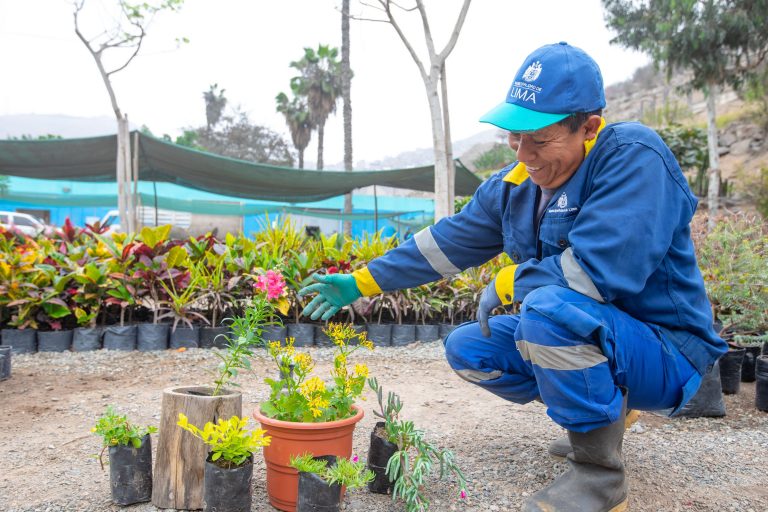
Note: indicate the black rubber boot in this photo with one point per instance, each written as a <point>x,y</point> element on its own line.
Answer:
<point>595,481</point>
<point>561,447</point>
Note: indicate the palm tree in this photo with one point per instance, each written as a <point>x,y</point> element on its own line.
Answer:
<point>296,114</point>
<point>320,83</point>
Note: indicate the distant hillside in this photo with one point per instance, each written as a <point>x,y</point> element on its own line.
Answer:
<point>68,127</point>
<point>466,149</point>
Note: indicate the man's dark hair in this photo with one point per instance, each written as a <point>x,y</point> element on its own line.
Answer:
<point>574,121</point>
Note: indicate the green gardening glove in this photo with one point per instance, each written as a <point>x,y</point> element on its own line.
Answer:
<point>334,291</point>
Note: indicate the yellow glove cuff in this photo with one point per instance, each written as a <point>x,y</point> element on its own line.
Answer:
<point>505,284</point>
<point>365,282</point>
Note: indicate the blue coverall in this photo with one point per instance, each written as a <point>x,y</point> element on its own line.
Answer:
<point>611,293</point>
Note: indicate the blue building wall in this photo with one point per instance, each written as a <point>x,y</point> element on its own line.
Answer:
<point>79,215</point>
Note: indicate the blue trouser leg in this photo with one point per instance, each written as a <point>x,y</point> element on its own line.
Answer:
<point>574,353</point>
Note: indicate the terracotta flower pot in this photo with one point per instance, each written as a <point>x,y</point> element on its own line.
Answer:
<point>295,438</point>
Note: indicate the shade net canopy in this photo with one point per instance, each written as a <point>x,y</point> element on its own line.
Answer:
<point>93,159</point>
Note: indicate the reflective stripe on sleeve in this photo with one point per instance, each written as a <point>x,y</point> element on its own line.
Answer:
<point>433,254</point>
<point>475,376</point>
<point>577,279</point>
<point>577,357</point>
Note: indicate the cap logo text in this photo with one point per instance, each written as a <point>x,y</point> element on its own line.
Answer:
<point>517,93</point>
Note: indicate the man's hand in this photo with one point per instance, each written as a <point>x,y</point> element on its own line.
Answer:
<point>334,291</point>
<point>489,301</point>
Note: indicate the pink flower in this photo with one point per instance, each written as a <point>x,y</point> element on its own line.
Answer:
<point>355,459</point>
<point>463,494</point>
<point>333,270</point>
<point>272,283</point>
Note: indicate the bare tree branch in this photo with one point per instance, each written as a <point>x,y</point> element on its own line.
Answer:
<point>385,4</point>
<point>406,9</point>
<point>427,34</point>
<point>456,30</point>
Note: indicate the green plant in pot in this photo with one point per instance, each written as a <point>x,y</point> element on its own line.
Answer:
<point>322,478</point>
<point>733,258</point>
<point>216,295</point>
<point>180,464</point>
<point>183,292</point>
<point>151,268</point>
<point>306,414</point>
<point>245,334</point>
<point>229,463</point>
<point>20,282</point>
<point>91,280</point>
<point>411,464</point>
<point>130,457</point>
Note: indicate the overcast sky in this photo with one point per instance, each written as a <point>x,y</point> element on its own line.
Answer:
<point>246,46</point>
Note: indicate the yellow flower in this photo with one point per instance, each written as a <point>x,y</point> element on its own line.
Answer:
<point>303,361</point>
<point>316,406</point>
<point>312,386</point>
<point>361,370</point>
<point>340,360</point>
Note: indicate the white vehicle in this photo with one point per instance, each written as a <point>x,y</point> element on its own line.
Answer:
<point>27,224</point>
<point>112,221</point>
<point>147,217</point>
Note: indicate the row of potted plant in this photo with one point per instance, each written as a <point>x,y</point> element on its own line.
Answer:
<point>733,257</point>
<point>306,426</point>
<point>80,278</point>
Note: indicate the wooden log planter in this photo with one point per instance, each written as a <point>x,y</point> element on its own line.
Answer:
<point>180,459</point>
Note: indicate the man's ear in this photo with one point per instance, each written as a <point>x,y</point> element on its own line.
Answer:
<point>590,127</point>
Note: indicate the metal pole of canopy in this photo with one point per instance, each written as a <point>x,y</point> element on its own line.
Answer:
<point>154,187</point>
<point>375,210</point>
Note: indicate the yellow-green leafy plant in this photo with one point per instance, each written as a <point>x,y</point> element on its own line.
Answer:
<point>297,395</point>
<point>116,430</point>
<point>349,473</point>
<point>230,443</point>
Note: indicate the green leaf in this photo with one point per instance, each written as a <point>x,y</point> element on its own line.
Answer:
<point>176,257</point>
<point>56,309</point>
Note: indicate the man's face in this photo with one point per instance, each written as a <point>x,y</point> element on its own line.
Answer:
<point>553,154</point>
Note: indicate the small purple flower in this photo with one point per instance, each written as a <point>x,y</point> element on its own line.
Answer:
<point>355,458</point>
<point>463,494</point>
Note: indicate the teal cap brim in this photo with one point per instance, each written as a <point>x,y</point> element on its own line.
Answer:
<point>515,118</point>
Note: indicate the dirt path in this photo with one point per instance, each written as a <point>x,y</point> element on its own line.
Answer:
<point>52,400</point>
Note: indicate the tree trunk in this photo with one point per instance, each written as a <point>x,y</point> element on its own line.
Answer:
<point>180,460</point>
<point>346,93</point>
<point>451,168</point>
<point>442,206</point>
<point>301,159</point>
<point>121,174</point>
<point>135,198</point>
<point>713,191</point>
<point>320,133</point>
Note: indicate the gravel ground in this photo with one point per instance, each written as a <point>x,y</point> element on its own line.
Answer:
<point>52,400</point>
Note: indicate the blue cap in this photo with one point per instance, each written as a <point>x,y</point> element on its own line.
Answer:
<point>554,82</point>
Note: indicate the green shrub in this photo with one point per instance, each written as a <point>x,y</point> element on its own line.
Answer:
<point>498,156</point>
<point>733,259</point>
